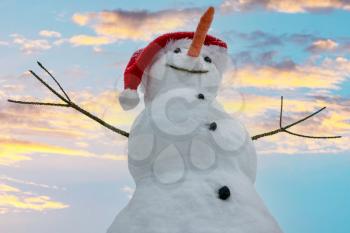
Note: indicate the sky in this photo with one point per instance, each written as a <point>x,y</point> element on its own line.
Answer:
<point>61,172</point>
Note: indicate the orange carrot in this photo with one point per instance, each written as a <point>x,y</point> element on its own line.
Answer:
<point>201,32</point>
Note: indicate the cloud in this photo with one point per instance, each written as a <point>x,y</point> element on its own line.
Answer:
<point>261,114</point>
<point>27,182</point>
<point>136,25</point>
<point>13,199</point>
<point>262,39</point>
<point>58,122</point>
<point>81,19</point>
<point>13,151</point>
<point>64,126</point>
<point>256,38</point>
<point>268,59</point>
<point>328,75</point>
<point>4,43</point>
<point>7,188</point>
<point>129,191</point>
<point>47,33</point>
<point>322,46</point>
<point>79,40</point>
<point>29,46</point>
<point>285,6</point>
<point>260,47</point>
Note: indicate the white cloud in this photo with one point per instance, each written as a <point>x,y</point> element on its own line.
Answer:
<point>31,183</point>
<point>47,33</point>
<point>29,46</point>
<point>323,45</point>
<point>129,191</point>
<point>4,43</point>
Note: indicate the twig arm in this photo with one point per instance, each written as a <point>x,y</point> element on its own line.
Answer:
<point>100,121</point>
<point>37,103</point>
<point>58,84</point>
<point>284,128</point>
<point>49,87</point>
<point>67,102</point>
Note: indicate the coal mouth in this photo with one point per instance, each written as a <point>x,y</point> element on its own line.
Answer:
<point>186,70</point>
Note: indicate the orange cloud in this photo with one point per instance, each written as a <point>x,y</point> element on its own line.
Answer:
<point>329,75</point>
<point>67,126</point>
<point>14,200</point>
<point>135,25</point>
<point>261,114</point>
<point>286,6</point>
<point>13,151</point>
<point>80,19</point>
<point>89,40</point>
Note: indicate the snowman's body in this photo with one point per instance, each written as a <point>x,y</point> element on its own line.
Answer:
<point>179,159</point>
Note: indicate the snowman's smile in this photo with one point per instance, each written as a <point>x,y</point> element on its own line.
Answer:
<point>186,70</point>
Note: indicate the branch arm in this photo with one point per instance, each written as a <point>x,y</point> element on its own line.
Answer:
<point>284,128</point>
<point>58,84</point>
<point>67,103</point>
<point>308,136</point>
<point>37,103</point>
<point>49,87</point>
<point>100,121</point>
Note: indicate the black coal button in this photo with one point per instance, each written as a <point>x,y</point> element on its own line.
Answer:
<point>224,193</point>
<point>213,126</point>
<point>200,96</point>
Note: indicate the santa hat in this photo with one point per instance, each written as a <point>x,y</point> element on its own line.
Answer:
<point>142,58</point>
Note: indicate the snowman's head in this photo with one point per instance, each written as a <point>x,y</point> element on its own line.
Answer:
<point>176,60</point>
<point>173,68</point>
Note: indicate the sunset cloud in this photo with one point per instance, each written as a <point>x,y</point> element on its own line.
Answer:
<point>66,125</point>
<point>136,25</point>
<point>89,40</point>
<point>13,151</point>
<point>81,19</point>
<point>285,6</point>
<point>322,46</point>
<point>13,199</point>
<point>328,75</point>
<point>48,33</point>
<point>261,114</point>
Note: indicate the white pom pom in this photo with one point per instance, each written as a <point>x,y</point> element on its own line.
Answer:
<point>128,99</point>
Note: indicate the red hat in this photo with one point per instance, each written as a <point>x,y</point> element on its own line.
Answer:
<point>142,58</point>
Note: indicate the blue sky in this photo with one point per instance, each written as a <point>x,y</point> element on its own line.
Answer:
<point>60,172</point>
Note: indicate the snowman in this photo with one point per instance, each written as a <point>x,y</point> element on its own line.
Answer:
<point>194,165</point>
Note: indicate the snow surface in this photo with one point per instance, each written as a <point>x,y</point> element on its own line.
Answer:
<point>179,164</point>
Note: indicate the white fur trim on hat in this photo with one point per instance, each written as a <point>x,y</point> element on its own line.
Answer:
<point>129,99</point>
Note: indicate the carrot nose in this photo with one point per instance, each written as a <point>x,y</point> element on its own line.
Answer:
<point>201,32</point>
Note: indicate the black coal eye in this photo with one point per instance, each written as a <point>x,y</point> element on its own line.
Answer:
<point>207,59</point>
<point>177,50</point>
